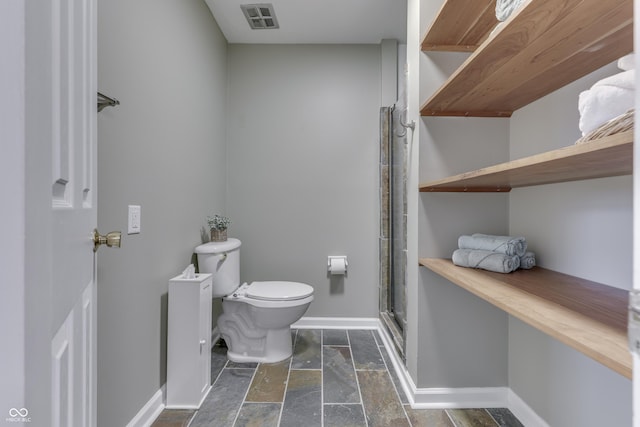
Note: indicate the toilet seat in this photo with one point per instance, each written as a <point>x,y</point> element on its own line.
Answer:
<point>278,291</point>
<point>273,294</point>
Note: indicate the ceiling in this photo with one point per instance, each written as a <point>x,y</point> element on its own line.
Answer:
<point>316,21</point>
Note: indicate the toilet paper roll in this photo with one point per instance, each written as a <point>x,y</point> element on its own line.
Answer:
<point>338,266</point>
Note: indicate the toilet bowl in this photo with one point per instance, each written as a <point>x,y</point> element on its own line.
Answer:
<point>256,317</point>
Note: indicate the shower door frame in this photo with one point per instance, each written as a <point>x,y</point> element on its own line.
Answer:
<point>395,327</point>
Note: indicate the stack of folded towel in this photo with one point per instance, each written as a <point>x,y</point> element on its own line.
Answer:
<point>502,254</point>
<point>608,98</point>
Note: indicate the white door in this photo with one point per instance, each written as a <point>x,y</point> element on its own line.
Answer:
<point>48,287</point>
<point>73,212</point>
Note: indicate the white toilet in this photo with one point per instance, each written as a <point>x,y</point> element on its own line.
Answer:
<point>256,318</point>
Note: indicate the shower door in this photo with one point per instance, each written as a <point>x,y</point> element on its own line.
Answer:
<point>393,224</point>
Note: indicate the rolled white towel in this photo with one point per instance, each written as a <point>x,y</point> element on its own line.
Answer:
<point>528,261</point>
<point>627,62</point>
<point>504,244</point>
<point>486,260</point>
<point>608,98</point>
<point>504,8</point>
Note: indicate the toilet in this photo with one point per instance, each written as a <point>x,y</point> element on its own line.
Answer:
<point>256,317</point>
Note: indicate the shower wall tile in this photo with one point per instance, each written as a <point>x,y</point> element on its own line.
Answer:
<point>384,135</point>
<point>307,353</point>
<point>338,376</point>
<point>384,201</point>
<point>365,352</point>
<point>303,400</point>
<point>385,273</point>
<point>344,416</point>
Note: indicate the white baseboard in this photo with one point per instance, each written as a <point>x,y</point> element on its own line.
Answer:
<point>337,323</point>
<point>442,398</point>
<point>523,412</point>
<point>149,412</point>
<point>464,397</point>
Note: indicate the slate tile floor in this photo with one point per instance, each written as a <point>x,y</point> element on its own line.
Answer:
<point>335,378</point>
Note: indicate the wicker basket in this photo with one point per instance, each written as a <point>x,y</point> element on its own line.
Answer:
<point>622,123</point>
<point>218,235</point>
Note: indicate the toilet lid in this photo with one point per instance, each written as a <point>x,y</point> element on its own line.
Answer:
<point>274,291</point>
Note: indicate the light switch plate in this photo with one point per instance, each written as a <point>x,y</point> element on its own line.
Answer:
<point>134,219</point>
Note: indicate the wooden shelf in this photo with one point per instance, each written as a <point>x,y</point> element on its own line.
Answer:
<point>543,46</point>
<point>609,156</point>
<point>461,26</point>
<point>587,316</point>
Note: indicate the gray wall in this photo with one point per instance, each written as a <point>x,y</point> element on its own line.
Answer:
<point>302,168</point>
<point>164,149</point>
<point>584,229</point>
<point>462,341</point>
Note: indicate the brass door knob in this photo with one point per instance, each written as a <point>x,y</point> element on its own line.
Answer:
<point>110,239</point>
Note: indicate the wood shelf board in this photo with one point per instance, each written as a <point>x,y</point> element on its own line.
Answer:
<point>543,46</point>
<point>460,26</point>
<point>587,316</point>
<point>608,156</point>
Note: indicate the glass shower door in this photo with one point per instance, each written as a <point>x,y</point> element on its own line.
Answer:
<point>393,223</point>
<point>398,219</point>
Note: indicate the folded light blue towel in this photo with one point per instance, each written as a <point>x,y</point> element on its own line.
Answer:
<point>528,260</point>
<point>505,244</point>
<point>486,260</point>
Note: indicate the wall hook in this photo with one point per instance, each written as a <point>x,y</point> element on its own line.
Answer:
<point>105,101</point>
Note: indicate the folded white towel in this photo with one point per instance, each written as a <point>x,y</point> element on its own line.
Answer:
<point>608,98</point>
<point>504,8</point>
<point>486,260</point>
<point>504,244</point>
<point>528,260</point>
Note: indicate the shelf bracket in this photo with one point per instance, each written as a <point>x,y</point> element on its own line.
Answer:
<point>634,321</point>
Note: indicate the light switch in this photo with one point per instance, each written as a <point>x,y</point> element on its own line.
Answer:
<point>134,219</point>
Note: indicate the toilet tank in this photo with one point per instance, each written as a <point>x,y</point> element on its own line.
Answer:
<point>222,260</point>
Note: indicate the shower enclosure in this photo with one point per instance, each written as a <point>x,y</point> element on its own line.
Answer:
<point>393,223</point>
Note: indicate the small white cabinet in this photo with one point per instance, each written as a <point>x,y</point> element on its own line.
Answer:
<point>189,341</point>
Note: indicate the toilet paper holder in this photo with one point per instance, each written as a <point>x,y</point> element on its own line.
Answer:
<point>337,264</point>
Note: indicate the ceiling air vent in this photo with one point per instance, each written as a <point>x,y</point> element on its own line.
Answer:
<point>260,16</point>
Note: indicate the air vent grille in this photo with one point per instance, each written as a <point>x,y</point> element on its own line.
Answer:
<point>260,16</point>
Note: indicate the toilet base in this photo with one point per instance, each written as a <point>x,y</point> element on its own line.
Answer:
<point>277,347</point>
<point>256,334</point>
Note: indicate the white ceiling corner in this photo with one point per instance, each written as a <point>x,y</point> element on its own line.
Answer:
<point>316,21</point>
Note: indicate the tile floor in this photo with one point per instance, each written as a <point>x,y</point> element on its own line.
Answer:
<point>334,378</point>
